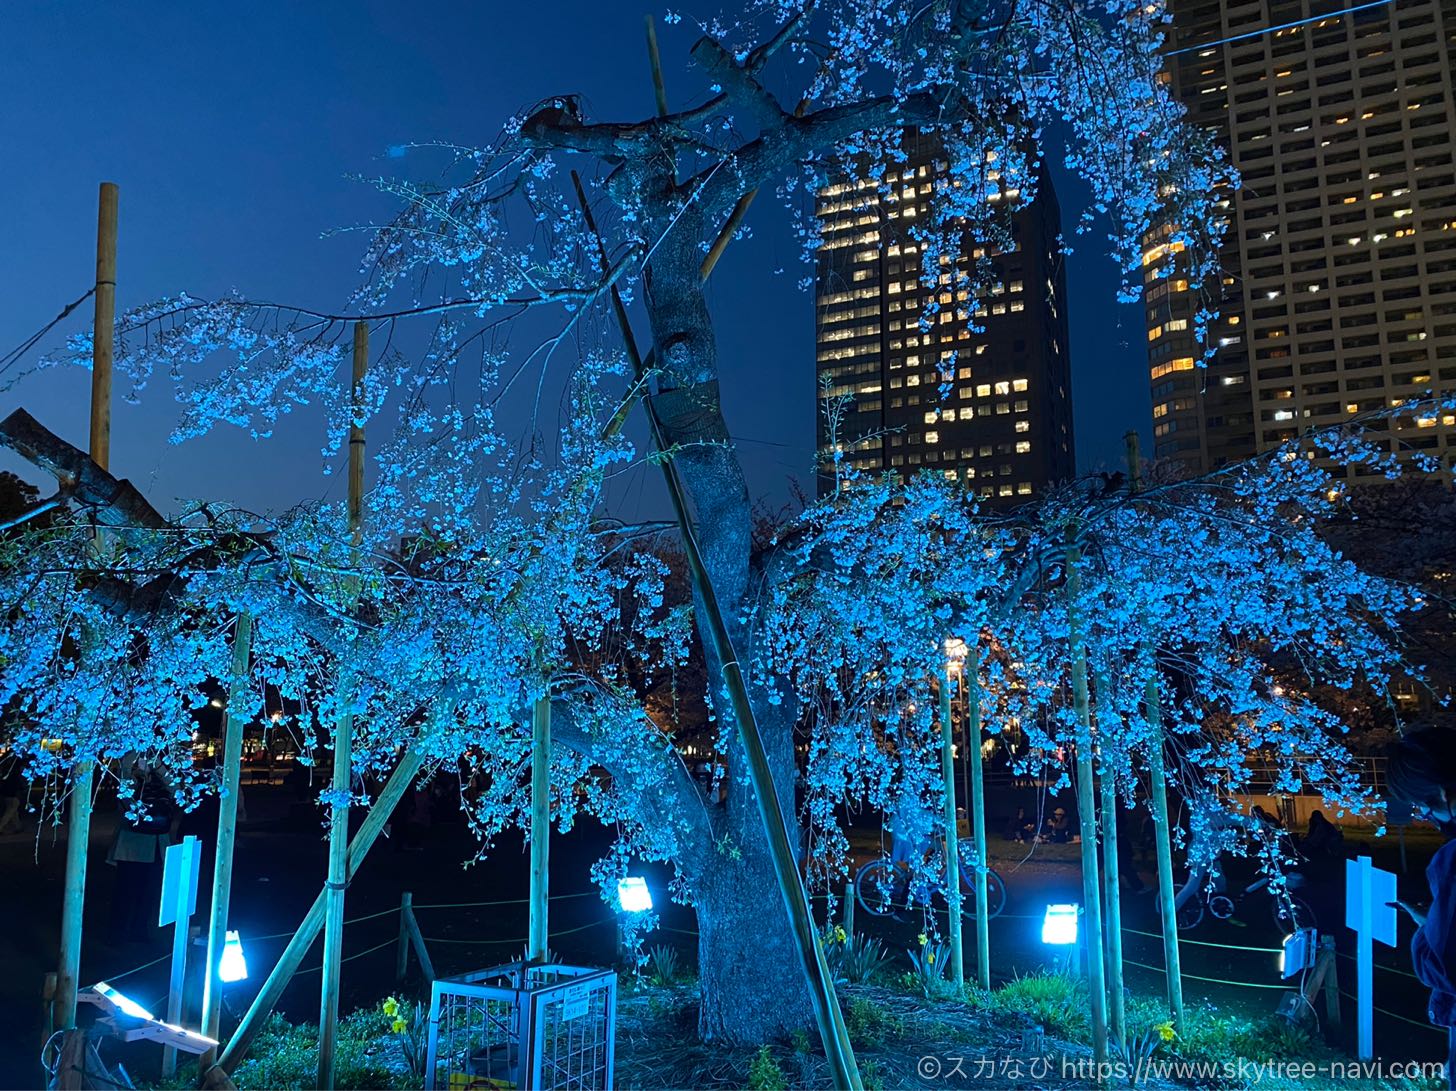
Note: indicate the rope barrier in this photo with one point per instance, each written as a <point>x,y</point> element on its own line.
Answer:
<point>504,901</point>
<point>351,958</point>
<point>1393,1015</point>
<point>1206,943</point>
<point>520,939</point>
<point>1211,980</point>
<point>136,969</point>
<point>1382,966</point>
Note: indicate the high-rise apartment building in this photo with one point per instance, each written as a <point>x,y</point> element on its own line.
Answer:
<point>1000,418</point>
<point>1339,286</point>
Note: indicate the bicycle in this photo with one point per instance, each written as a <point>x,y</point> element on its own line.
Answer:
<point>881,886</point>
<point>1289,912</point>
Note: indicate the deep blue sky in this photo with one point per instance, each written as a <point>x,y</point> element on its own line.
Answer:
<point>232,130</point>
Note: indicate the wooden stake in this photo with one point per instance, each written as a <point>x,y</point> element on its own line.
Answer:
<point>1110,848</point>
<point>227,828</point>
<point>1158,790</point>
<point>401,950</point>
<point>537,937</point>
<point>83,778</point>
<point>1087,811</point>
<point>308,930</point>
<point>971,680</point>
<point>952,834</point>
<point>342,784</point>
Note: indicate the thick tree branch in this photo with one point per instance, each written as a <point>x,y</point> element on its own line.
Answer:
<point>116,503</point>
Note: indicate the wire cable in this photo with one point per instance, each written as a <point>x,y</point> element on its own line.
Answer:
<point>1271,30</point>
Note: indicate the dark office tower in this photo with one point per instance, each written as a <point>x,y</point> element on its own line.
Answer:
<point>1340,260</point>
<point>1002,420</point>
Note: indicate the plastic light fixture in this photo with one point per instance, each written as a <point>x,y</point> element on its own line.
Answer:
<point>1059,926</point>
<point>232,966</point>
<point>633,894</point>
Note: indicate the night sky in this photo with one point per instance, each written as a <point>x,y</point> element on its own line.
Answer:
<point>233,132</point>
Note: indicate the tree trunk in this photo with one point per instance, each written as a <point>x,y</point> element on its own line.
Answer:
<point>753,988</point>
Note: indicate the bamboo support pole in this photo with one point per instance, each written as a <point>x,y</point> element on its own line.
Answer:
<point>1087,812</point>
<point>308,929</point>
<point>103,330</point>
<point>227,829</point>
<point>1158,790</point>
<point>342,785</point>
<point>971,680</point>
<point>83,779</point>
<point>538,940</point>
<point>952,834</point>
<point>818,978</point>
<point>654,58</point>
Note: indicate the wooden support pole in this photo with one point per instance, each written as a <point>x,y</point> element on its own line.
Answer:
<point>401,950</point>
<point>1158,791</point>
<point>421,952</point>
<point>1087,811</point>
<point>227,828</point>
<point>308,930</point>
<point>537,939</point>
<point>342,784</point>
<point>952,834</point>
<point>83,777</point>
<point>971,680</point>
<point>849,899</point>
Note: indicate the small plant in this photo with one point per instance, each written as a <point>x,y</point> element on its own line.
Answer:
<point>1141,1048</point>
<point>765,1073</point>
<point>928,971</point>
<point>407,1024</point>
<point>663,963</point>
<point>869,1025</point>
<point>1055,1001</point>
<point>855,960</point>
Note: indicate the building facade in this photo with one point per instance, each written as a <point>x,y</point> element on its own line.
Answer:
<point>890,400</point>
<point>1339,286</point>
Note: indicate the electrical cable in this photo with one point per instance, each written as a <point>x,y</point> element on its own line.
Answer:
<point>1271,30</point>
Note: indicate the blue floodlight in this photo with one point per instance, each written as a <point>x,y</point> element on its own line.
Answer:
<point>1059,926</point>
<point>633,895</point>
<point>125,1004</point>
<point>232,966</point>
